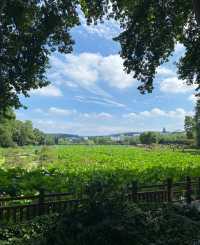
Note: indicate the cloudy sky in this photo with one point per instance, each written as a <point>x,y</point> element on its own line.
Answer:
<point>90,93</point>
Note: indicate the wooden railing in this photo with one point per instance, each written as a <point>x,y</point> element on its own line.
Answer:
<point>186,191</point>
<point>24,208</point>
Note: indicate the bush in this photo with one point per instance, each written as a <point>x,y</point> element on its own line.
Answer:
<point>113,222</point>
<point>29,233</point>
<point>148,138</point>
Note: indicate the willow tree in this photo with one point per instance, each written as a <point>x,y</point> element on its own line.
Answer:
<point>31,30</point>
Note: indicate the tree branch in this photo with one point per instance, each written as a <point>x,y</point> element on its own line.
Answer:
<point>3,4</point>
<point>196,6</point>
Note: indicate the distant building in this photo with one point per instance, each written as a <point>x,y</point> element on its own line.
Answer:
<point>136,134</point>
<point>122,137</point>
<point>115,138</point>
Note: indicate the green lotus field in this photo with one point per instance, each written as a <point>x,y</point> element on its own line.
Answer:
<point>70,168</point>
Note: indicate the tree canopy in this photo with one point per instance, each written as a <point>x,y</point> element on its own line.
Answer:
<point>197,122</point>
<point>148,138</point>
<point>190,127</point>
<point>30,30</point>
<point>18,133</point>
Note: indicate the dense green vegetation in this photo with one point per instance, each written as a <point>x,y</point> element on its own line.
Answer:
<point>119,223</point>
<point>26,170</point>
<point>109,222</point>
<point>197,122</point>
<point>192,126</point>
<point>146,138</point>
<point>28,233</point>
<point>18,133</point>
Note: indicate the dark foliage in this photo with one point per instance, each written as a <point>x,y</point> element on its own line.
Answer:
<point>18,133</point>
<point>116,222</point>
<point>31,30</point>
<point>25,234</point>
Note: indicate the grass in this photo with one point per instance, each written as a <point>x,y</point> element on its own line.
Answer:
<point>61,168</point>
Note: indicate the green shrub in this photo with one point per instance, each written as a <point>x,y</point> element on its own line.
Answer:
<point>119,223</point>
<point>29,233</point>
<point>109,221</point>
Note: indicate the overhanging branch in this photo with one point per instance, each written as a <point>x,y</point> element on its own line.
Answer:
<point>196,6</point>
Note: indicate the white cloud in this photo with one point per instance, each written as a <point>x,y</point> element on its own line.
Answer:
<point>99,101</point>
<point>131,115</point>
<point>79,128</point>
<point>179,112</point>
<point>163,71</point>
<point>101,123</point>
<point>49,91</point>
<point>158,113</point>
<point>91,116</point>
<point>175,85</point>
<point>104,123</point>
<point>56,111</point>
<point>155,112</point>
<point>70,84</point>
<point>112,71</point>
<point>90,70</point>
<point>61,111</point>
<point>112,102</point>
<point>82,68</point>
<point>145,113</point>
<point>104,115</point>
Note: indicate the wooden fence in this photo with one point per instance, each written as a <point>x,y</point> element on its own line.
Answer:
<point>186,191</point>
<point>24,208</point>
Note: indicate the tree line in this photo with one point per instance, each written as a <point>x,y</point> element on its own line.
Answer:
<point>146,138</point>
<point>192,125</point>
<point>14,132</point>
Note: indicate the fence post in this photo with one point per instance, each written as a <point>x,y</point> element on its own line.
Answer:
<point>135,191</point>
<point>198,188</point>
<point>41,202</point>
<point>188,190</point>
<point>169,190</point>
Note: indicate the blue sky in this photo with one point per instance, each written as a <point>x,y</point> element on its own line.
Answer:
<point>90,94</point>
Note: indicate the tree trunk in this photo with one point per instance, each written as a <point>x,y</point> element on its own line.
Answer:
<point>196,6</point>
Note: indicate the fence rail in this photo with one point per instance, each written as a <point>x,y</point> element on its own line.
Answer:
<point>19,209</point>
<point>185,191</point>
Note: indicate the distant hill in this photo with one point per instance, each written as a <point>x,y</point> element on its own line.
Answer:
<point>60,135</point>
<point>129,134</point>
<point>126,134</point>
